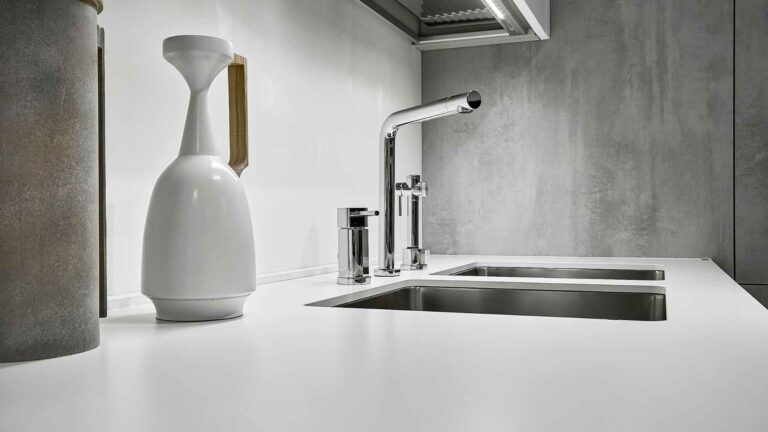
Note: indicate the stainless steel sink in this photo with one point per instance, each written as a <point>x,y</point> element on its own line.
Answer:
<point>498,270</point>
<point>636,303</point>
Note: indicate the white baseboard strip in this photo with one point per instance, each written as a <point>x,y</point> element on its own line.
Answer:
<point>120,301</point>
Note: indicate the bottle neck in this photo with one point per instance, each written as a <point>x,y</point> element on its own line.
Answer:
<point>198,137</point>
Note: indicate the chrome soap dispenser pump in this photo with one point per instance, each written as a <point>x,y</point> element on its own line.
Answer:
<point>353,245</point>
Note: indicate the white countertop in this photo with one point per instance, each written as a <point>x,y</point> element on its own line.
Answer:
<point>287,366</point>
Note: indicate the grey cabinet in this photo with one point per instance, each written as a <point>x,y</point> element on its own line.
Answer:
<point>751,143</point>
<point>442,24</point>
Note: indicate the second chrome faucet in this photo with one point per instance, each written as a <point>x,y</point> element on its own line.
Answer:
<point>459,104</point>
<point>414,257</point>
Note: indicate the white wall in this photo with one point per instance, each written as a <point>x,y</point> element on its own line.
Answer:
<point>323,75</point>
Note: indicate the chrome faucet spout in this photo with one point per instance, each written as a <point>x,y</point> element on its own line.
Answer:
<point>462,103</point>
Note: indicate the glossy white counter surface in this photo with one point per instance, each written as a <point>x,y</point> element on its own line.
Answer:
<point>286,366</point>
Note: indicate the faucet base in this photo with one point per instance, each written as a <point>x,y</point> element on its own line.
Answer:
<point>387,272</point>
<point>414,259</point>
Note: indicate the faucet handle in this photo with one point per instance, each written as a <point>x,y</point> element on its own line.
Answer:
<point>355,213</point>
<point>420,189</point>
<point>416,186</point>
<point>354,217</point>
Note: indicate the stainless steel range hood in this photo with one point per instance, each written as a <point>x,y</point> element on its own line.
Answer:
<point>442,24</point>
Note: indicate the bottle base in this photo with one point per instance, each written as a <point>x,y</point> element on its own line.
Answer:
<point>188,310</point>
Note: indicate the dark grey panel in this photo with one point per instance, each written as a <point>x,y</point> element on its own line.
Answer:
<point>751,192</point>
<point>49,235</point>
<point>614,138</point>
<point>759,292</point>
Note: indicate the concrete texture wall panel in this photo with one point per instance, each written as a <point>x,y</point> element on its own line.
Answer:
<point>751,163</point>
<point>614,138</point>
<point>49,228</point>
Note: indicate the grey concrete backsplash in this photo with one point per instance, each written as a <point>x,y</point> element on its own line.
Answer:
<point>614,138</point>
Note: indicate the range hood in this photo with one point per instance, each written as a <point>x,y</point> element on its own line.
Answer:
<point>442,24</point>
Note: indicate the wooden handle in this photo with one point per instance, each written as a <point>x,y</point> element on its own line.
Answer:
<point>238,114</point>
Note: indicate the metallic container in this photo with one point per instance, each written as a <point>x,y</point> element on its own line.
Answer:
<point>353,245</point>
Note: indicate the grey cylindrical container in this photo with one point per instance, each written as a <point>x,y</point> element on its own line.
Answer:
<point>49,226</point>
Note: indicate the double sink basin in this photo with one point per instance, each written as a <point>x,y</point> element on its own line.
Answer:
<point>482,295</point>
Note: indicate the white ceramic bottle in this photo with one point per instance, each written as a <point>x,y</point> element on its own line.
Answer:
<point>198,258</point>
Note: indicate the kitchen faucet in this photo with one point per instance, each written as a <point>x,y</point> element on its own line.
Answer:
<point>459,104</point>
